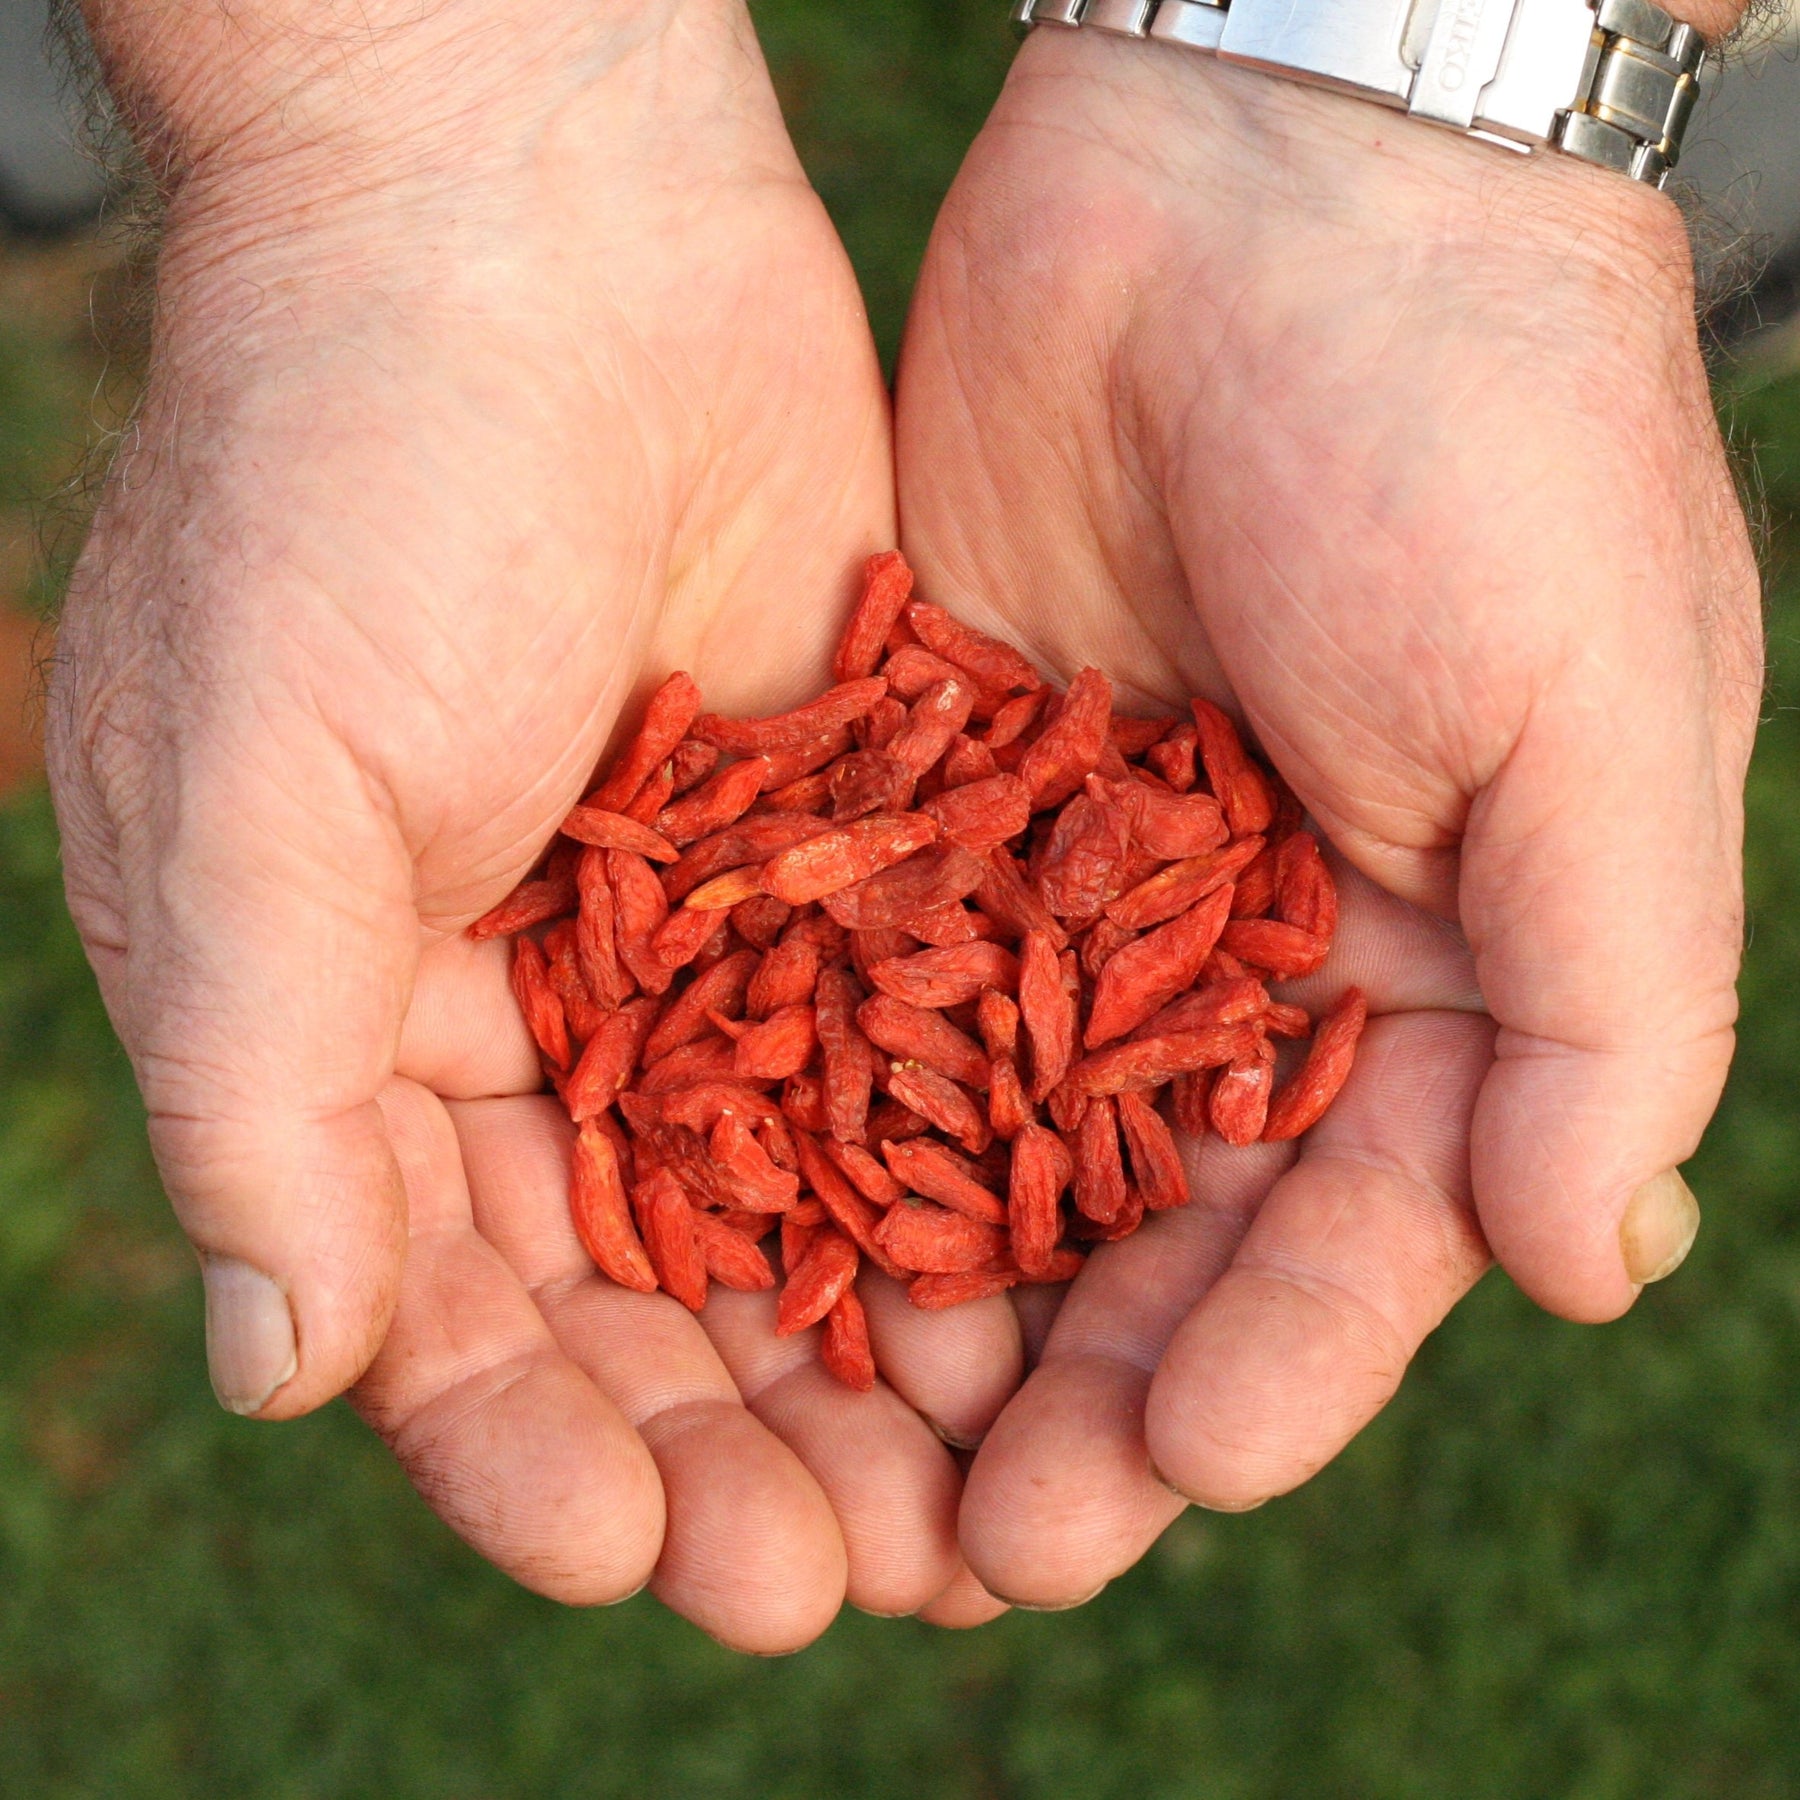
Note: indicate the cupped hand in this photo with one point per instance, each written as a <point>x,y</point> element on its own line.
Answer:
<point>1402,447</point>
<point>470,415</point>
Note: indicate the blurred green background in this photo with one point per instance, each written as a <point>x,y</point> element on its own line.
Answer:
<point>1565,1562</point>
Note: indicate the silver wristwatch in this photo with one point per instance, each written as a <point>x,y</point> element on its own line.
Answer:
<point>1609,81</point>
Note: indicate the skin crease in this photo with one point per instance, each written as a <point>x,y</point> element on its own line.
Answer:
<point>473,411</point>
<point>1403,448</point>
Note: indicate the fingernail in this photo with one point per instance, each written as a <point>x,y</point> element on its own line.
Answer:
<point>1207,1505</point>
<point>1658,1229</point>
<point>249,1334</point>
<point>957,1440</point>
<point>1048,1605</point>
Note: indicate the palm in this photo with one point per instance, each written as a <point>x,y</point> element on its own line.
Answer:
<point>1191,392</point>
<point>435,520</point>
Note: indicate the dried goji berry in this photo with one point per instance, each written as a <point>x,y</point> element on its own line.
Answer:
<point>863,1172</point>
<point>681,937</point>
<point>538,1001</point>
<point>1083,862</point>
<point>668,714</point>
<point>915,1033</point>
<point>1302,1102</point>
<point>750,842</point>
<point>994,665</point>
<point>639,908</point>
<point>1239,1104</point>
<point>1284,950</point>
<point>1155,1162</point>
<point>910,670</point>
<point>846,1351</point>
<point>1154,968</point>
<point>946,977</point>
<point>1099,1169</point>
<point>1229,1002</point>
<point>529,904</point>
<point>731,1258</point>
<point>1041,1169</point>
<point>922,1166</point>
<point>708,1059</point>
<point>778,1046</point>
<point>844,855</point>
<point>869,781</point>
<point>854,1216</point>
<point>848,1059</point>
<point>825,1273</point>
<point>719,802</point>
<point>1305,894</point>
<point>786,976</point>
<point>932,723</point>
<point>1149,1062</point>
<point>787,731</point>
<point>1008,1106</point>
<point>967,761</point>
<point>1066,752</point>
<point>932,1240</point>
<point>932,1293</point>
<point>938,1099</point>
<point>760,920</point>
<point>1046,1012</point>
<point>1172,891</point>
<point>613,831</point>
<point>1172,826</point>
<point>982,813</point>
<point>721,989</point>
<point>1005,896</point>
<point>596,943</point>
<point>691,762</point>
<point>602,1213</point>
<point>607,1062</point>
<point>756,1184</point>
<point>886,584</point>
<point>1173,757</point>
<point>672,1237</point>
<point>1237,783</point>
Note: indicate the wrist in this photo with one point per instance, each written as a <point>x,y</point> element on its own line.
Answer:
<point>217,89</point>
<point>1270,156</point>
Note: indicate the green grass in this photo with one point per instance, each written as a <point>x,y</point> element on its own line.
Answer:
<point>1564,1562</point>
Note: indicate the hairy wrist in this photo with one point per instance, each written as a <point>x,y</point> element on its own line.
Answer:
<point>359,88</point>
<point>1265,156</point>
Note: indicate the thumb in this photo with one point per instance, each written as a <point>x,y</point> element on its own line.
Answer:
<point>255,940</point>
<point>1601,895</point>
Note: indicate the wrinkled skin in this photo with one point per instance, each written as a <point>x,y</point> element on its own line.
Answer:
<point>472,413</point>
<point>1404,446</point>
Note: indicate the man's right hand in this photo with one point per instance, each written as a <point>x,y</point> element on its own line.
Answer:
<point>503,361</point>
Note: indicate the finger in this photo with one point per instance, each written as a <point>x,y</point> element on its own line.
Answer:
<point>1354,1258</point>
<point>464,1036</point>
<point>891,1483</point>
<point>751,1553</point>
<point>1403,958</point>
<point>1062,1497</point>
<point>963,1605</point>
<point>510,1444</point>
<point>956,1368</point>
<point>1607,934</point>
<point>258,980</point>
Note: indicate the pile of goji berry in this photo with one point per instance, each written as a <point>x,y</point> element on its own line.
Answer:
<point>896,971</point>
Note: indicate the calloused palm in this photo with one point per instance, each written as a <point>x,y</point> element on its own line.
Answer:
<point>444,457</point>
<point>1403,446</point>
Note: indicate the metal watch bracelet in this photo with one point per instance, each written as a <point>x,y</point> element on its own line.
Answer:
<point>1610,81</point>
